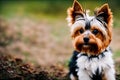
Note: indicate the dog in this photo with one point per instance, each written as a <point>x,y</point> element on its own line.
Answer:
<point>91,37</point>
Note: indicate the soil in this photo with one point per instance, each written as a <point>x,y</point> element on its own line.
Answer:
<point>12,68</point>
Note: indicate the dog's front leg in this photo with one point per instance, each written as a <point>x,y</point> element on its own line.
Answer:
<point>83,75</point>
<point>110,74</point>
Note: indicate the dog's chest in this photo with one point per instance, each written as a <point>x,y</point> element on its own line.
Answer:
<point>94,67</point>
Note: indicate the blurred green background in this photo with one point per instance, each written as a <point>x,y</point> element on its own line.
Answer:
<point>51,8</point>
<point>40,26</point>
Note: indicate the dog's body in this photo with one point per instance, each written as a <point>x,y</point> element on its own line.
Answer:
<point>92,67</point>
<point>91,36</point>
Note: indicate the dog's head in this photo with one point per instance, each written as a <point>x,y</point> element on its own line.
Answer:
<point>90,34</point>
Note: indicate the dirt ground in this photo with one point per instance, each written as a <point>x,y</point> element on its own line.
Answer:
<point>15,69</point>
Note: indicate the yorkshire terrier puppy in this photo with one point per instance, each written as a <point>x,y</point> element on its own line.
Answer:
<point>91,36</point>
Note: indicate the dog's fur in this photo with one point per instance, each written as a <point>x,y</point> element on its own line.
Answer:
<point>91,35</point>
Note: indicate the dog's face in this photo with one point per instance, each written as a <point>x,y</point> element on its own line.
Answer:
<point>90,34</point>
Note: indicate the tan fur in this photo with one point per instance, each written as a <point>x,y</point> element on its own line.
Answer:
<point>93,41</point>
<point>103,77</point>
<point>73,11</point>
<point>105,8</point>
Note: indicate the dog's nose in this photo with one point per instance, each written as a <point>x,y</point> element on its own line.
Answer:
<point>86,39</point>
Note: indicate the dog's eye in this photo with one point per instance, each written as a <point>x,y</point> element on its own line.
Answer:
<point>95,31</point>
<point>81,31</point>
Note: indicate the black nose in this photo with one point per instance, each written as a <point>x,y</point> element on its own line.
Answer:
<point>86,39</point>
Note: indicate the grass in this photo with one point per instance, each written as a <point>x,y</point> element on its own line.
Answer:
<point>117,54</point>
<point>116,23</point>
<point>50,10</point>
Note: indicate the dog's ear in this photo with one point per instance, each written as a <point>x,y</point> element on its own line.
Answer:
<point>104,13</point>
<point>77,8</point>
<point>74,12</point>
